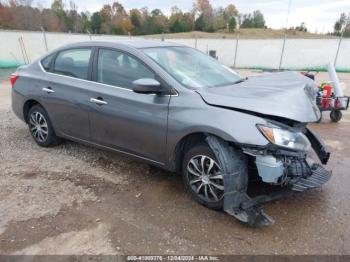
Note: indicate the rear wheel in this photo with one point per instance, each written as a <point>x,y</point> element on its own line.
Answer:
<point>40,127</point>
<point>202,176</point>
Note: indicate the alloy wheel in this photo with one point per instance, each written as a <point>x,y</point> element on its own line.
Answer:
<point>38,126</point>
<point>205,178</point>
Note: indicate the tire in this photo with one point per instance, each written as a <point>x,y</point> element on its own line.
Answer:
<point>336,115</point>
<point>40,127</point>
<point>195,155</point>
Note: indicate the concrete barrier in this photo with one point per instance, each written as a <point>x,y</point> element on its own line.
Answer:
<point>302,54</point>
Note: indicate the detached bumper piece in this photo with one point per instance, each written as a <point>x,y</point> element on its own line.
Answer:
<point>249,210</point>
<point>318,177</point>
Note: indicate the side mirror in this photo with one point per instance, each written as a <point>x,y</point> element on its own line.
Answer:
<point>147,86</point>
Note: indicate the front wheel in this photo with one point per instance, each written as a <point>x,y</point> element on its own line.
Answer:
<point>202,176</point>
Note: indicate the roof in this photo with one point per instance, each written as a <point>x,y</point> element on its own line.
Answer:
<point>137,43</point>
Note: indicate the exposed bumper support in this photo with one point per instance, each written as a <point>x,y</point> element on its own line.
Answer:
<point>235,178</point>
<point>236,201</point>
<point>318,145</point>
<point>318,177</point>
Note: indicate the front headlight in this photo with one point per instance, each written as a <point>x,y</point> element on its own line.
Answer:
<point>285,138</point>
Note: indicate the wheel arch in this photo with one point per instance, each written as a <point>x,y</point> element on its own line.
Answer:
<point>190,139</point>
<point>27,106</point>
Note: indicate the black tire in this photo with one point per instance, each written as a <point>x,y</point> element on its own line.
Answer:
<point>201,149</point>
<point>336,116</point>
<point>37,116</point>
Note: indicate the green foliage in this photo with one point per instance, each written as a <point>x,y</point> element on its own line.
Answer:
<point>255,20</point>
<point>199,24</point>
<point>232,24</point>
<point>342,25</point>
<point>96,22</point>
<point>301,27</point>
<point>179,21</point>
<point>118,30</point>
<point>135,18</point>
<point>176,26</point>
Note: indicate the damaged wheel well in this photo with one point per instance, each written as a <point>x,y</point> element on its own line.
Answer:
<point>186,143</point>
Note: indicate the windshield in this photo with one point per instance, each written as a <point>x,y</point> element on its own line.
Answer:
<point>192,68</point>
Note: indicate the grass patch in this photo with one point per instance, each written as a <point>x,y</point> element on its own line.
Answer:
<point>247,33</point>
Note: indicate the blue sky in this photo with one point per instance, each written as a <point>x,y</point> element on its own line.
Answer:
<point>318,15</point>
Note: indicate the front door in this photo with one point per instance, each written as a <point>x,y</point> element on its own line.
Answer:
<point>124,120</point>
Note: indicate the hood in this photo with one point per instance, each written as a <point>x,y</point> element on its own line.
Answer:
<point>287,94</point>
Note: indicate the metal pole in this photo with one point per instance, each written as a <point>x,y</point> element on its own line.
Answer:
<point>340,40</point>
<point>236,49</point>
<point>195,40</point>
<point>336,55</point>
<point>25,51</point>
<point>20,46</point>
<point>89,34</point>
<point>285,34</point>
<point>14,57</point>
<point>282,53</point>
<point>45,41</point>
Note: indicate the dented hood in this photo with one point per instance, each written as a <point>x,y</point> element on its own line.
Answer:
<point>287,94</point>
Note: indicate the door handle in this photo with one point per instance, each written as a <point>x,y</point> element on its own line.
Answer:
<point>98,101</point>
<point>48,90</point>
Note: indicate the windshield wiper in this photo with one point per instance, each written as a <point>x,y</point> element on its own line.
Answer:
<point>240,81</point>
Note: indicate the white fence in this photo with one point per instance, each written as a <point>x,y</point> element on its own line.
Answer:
<point>250,53</point>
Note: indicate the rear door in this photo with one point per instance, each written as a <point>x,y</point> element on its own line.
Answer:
<point>124,120</point>
<point>65,94</point>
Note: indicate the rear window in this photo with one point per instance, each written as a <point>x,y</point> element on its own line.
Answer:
<point>46,62</point>
<point>73,62</point>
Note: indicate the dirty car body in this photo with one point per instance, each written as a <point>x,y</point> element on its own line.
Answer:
<point>174,107</point>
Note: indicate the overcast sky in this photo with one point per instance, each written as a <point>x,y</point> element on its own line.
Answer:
<point>318,15</point>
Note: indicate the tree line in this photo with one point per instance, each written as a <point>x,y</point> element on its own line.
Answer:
<point>114,19</point>
<point>342,25</point>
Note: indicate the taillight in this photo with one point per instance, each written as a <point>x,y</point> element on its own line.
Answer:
<point>13,78</point>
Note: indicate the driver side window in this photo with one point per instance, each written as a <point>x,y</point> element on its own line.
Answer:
<point>120,69</point>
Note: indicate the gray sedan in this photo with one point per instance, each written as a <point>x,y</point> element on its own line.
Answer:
<point>179,109</point>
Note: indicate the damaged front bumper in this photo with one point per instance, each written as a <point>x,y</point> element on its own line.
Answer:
<point>318,177</point>
<point>290,170</point>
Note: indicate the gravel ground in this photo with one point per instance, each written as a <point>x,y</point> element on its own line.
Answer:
<point>74,199</point>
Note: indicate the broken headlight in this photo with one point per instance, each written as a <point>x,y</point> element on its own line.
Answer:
<point>284,137</point>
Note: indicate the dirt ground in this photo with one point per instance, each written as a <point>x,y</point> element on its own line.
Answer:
<point>74,199</point>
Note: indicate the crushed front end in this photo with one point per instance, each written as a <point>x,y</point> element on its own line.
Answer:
<point>293,169</point>
<point>286,160</point>
<point>285,163</point>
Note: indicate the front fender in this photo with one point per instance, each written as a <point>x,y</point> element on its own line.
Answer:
<point>230,125</point>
